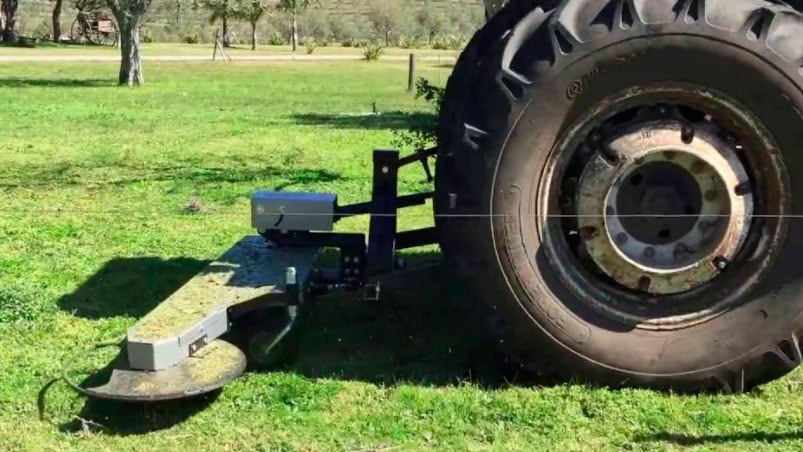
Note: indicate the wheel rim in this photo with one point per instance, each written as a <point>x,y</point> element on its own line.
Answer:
<point>653,209</point>
<point>664,208</point>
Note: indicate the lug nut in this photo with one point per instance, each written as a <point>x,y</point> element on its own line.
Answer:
<point>720,263</point>
<point>743,189</point>
<point>644,283</point>
<point>687,134</point>
<point>622,238</point>
<point>649,252</point>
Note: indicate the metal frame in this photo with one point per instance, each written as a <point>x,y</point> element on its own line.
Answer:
<point>359,262</point>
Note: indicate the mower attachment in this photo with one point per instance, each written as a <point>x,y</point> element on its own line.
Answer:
<point>208,370</point>
<point>174,351</point>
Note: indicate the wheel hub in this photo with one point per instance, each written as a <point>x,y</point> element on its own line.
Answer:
<point>663,208</point>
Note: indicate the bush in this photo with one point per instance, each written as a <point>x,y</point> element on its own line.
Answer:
<point>448,43</point>
<point>190,39</point>
<point>275,39</point>
<point>310,45</point>
<point>423,130</point>
<point>406,42</point>
<point>355,42</point>
<point>372,51</point>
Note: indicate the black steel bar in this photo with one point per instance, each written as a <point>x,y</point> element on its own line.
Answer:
<point>416,237</point>
<point>418,156</point>
<point>384,197</point>
<point>364,208</point>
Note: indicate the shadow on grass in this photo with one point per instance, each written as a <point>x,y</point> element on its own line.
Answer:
<point>423,331</point>
<point>129,287</point>
<point>700,440</point>
<point>117,418</point>
<point>75,174</point>
<point>56,83</point>
<point>395,120</point>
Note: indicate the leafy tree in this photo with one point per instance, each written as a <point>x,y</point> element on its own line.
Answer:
<point>251,11</point>
<point>466,21</point>
<point>221,11</point>
<point>387,17</point>
<point>431,20</point>
<point>8,20</point>
<point>56,17</point>
<point>294,8</point>
<point>129,15</point>
<point>317,25</point>
<point>89,5</point>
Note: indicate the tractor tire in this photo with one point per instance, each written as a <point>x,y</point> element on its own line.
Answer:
<point>581,141</point>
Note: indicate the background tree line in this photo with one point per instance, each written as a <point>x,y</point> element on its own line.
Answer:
<point>444,24</point>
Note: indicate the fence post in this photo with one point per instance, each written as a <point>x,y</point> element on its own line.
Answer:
<point>411,74</point>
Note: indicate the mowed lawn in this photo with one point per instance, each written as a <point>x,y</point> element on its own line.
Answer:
<point>95,229</point>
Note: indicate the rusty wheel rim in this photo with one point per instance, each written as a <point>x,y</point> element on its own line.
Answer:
<point>653,210</point>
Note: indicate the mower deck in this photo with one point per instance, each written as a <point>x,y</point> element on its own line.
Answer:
<point>198,313</point>
<point>174,351</point>
<point>208,370</point>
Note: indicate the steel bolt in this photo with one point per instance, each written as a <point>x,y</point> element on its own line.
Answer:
<point>622,238</point>
<point>743,189</point>
<point>385,170</point>
<point>687,134</point>
<point>720,263</point>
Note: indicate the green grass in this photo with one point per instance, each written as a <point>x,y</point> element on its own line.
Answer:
<point>94,231</point>
<point>176,49</point>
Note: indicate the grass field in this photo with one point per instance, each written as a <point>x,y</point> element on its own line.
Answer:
<point>95,181</point>
<point>176,49</point>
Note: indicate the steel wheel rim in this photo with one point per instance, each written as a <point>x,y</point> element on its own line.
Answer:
<point>761,206</point>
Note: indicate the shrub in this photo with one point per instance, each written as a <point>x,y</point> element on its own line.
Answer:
<point>310,45</point>
<point>275,39</point>
<point>190,39</point>
<point>448,43</point>
<point>407,42</point>
<point>372,51</point>
<point>423,130</point>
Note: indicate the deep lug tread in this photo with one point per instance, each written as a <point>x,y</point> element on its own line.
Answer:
<point>474,136</point>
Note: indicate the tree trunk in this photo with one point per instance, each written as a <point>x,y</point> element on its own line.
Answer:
<point>294,38</point>
<point>131,62</point>
<point>387,39</point>
<point>57,21</point>
<point>9,12</point>
<point>253,35</point>
<point>226,42</point>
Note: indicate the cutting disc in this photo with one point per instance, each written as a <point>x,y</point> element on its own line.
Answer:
<point>208,370</point>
